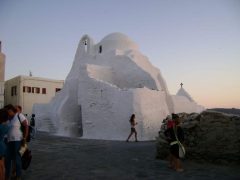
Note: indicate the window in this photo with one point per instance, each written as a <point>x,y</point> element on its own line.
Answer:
<point>100,49</point>
<point>28,89</point>
<point>14,91</point>
<point>2,91</point>
<point>58,89</point>
<point>44,91</point>
<point>38,90</point>
<point>85,45</point>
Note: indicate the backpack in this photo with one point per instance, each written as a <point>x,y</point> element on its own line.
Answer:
<point>26,159</point>
<point>29,130</point>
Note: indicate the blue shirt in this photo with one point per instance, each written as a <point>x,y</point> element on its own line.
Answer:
<point>3,131</point>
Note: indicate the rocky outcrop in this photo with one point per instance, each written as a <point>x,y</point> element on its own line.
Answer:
<point>209,136</point>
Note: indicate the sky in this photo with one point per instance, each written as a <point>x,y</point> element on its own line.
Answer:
<point>194,42</point>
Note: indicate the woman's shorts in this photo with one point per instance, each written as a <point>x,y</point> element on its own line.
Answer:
<point>133,130</point>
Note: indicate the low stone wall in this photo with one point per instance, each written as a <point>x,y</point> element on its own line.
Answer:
<point>209,136</point>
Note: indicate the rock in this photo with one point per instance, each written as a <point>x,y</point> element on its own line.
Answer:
<point>209,136</point>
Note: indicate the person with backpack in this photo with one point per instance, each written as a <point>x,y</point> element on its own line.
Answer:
<point>19,111</point>
<point>30,128</point>
<point>3,131</point>
<point>175,137</point>
<point>17,137</point>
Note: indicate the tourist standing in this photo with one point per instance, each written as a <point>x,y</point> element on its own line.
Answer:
<point>175,136</point>
<point>32,128</point>
<point>16,138</point>
<point>19,111</point>
<point>133,129</point>
<point>3,131</point>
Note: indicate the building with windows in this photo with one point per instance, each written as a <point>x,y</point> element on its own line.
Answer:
<point>27,90</point>
<point>2,74</point>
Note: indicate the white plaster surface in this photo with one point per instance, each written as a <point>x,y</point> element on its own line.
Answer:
<point>103,89</point>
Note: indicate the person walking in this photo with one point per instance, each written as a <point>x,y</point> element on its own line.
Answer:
<point>133,129</point>
<point>16,138</point>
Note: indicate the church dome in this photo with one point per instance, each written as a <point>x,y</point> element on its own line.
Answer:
<point>117,41</point>
<point>183,92</point>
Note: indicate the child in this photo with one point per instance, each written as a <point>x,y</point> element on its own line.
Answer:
<point>133,130</point>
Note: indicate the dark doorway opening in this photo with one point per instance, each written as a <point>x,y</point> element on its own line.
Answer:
<point>100,49</point>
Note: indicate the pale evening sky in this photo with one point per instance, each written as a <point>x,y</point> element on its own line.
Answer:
<point>194,42</point>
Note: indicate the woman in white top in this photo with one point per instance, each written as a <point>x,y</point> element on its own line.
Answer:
<point>17,135</point>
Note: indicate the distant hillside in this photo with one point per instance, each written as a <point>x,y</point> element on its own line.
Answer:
<point>227,111</point>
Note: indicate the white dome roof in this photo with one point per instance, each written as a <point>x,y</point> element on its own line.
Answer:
<point>117,36</point>
<point>117,41</point>
<point>183,92</point>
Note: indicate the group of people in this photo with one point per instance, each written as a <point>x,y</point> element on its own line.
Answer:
<point>14,131</point>
<point>13,135</point>
<point>175,136</point>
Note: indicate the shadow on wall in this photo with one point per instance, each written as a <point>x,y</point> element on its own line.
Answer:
<point>123,73</point>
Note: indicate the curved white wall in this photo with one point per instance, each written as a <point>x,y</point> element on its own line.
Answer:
<point>103,89</point>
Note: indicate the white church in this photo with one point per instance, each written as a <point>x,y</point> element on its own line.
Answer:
<point>108,82</point>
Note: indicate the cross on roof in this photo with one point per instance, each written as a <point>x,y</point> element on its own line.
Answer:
<point>181,85</point>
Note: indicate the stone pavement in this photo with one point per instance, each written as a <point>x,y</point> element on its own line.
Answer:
<point>80,159</point>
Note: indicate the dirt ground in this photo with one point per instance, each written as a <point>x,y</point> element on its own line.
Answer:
<point>80,159</point>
